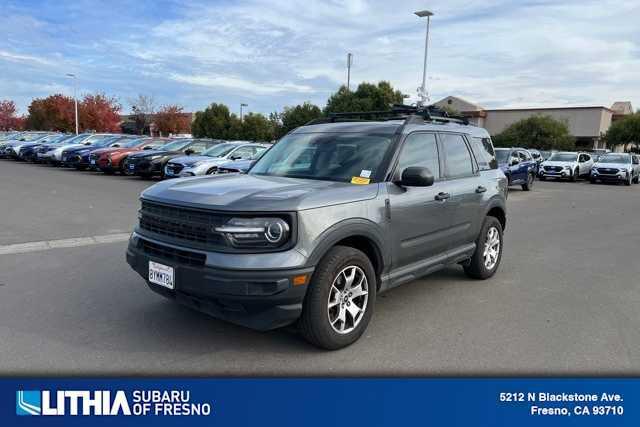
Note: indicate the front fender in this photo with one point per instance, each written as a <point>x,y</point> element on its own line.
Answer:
<point>351,228</point>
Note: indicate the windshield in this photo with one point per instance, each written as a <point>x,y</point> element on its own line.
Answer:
<point>176,145</point>
<point>502,155</point>
<point>32,136</point>
<point>129,142</point>
<point>563,157</point>
<point>104,141</point>
<point>325,156</point>
<point>615,158</point>
<point>219,150</point>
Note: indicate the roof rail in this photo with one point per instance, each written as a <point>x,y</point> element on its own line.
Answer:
<point>408,113</point>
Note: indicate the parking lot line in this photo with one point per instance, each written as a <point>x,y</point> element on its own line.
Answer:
<point>20,248</point>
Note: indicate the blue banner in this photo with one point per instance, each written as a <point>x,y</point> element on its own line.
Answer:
<point>321,402</point>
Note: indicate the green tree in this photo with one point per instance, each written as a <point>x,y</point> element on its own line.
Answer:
<point>624,131</point>
<point>214,122</point>
<point>541,132</point>
<point>367,97</point>
<point>256,127</point>
<point>293,117</point>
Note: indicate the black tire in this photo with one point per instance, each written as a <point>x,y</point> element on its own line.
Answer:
<point>543,178</point>
<point>636,180</point>
<point>574,175</point>
<point>212,170</point>
<point>314,324</point>
<point>592,180</point>
<point>529,185</point>
<point>476,268</point>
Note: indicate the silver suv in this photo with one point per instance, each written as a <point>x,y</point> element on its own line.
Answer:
<point>335,213</point>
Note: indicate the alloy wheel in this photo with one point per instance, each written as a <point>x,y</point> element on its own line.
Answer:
<point>348,299</point>
<point>491,248</point>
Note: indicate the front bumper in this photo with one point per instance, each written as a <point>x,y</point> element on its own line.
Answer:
<point>565,173</point>
<point>258,299</point>
<point>619,177</point>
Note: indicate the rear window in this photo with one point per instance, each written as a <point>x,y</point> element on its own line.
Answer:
<point>483,152</point>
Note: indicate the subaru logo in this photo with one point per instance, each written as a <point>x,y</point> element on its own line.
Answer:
<point>28,402</point>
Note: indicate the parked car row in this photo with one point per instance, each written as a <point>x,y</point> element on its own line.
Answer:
<point>132,154</point>
<point>522,166</point>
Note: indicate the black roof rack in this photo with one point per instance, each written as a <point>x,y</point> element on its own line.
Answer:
<point>408,113</point>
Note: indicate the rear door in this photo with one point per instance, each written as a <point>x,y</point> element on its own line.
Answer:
<point>461,176</point>
<point>420,218</point>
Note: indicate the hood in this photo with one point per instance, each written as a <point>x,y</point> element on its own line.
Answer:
<point>612,165</point>
<point>242,165</point>
<point>150,153</point>
<point>190,160</point>
<point>67,147</point>
<point>557,163</point>
<point>257,193</point>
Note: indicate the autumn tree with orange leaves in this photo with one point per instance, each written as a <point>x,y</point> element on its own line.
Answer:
<point>8,118</point>
<point>99,113</point>
<point>170,119</point>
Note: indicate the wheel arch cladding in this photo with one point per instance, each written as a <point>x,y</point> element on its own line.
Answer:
<point>359,234</point>
<point>499,213</point>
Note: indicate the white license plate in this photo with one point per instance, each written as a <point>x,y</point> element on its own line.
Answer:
<point>132,167</point>
<point>93,162</point>
<point>161,275</point>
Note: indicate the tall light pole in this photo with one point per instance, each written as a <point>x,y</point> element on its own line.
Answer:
<point>349,62</point>
<point>422,90</point>
<point>241,106</point>
<point>75,96</point>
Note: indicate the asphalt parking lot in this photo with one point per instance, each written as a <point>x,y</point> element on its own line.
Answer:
<point>565,300</point>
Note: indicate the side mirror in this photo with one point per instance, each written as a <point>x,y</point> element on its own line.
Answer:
<point>148,147</point>
<point>116,145</point>
<point>416,176</point>
<point>236,157</point>
<point>189,151</point>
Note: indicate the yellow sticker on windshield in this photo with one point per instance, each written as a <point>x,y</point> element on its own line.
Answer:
<point>360,181</point>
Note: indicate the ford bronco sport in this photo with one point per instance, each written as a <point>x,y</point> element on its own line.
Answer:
<point>338,211</point>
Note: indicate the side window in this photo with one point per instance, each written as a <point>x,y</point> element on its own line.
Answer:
<point>197,147</point>
<point>243,152</point>
<point>420,149</point>
<point>483,151</point>
<point>524,156</point>
<point>457,157</point>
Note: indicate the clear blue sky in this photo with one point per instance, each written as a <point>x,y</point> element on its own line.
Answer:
<point>273,53</point>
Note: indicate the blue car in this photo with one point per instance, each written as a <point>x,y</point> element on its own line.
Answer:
<point>518,165</point>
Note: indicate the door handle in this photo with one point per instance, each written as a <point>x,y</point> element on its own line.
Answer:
<point>442,196</point>
<point>480,189</point>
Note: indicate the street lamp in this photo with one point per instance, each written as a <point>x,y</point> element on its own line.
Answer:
<point>241,106</point>
<point>75,95</point>
<point>422,90</point>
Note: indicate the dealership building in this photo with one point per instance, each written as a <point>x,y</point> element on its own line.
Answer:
<point>586,124</point>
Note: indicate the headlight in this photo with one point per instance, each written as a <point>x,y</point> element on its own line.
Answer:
<point>568,168</point>
<point>155,157</point>
<point>255,232</point>
<point>624,170</point>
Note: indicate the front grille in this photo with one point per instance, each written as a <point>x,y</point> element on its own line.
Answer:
<point>181,223</point>
<point>174,168</point>
<point>553,168</point>
<point>608,171</point>
<point>93,157</point>
<point>173,254</point>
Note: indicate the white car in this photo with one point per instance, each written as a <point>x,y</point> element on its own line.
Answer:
<point>207,163</point>
<point>566,165</point>
<point>616,167</point>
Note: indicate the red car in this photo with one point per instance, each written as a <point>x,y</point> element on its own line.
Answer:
<point>109,160</point>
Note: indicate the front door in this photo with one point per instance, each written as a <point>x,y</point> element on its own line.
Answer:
<point>420,216</point>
